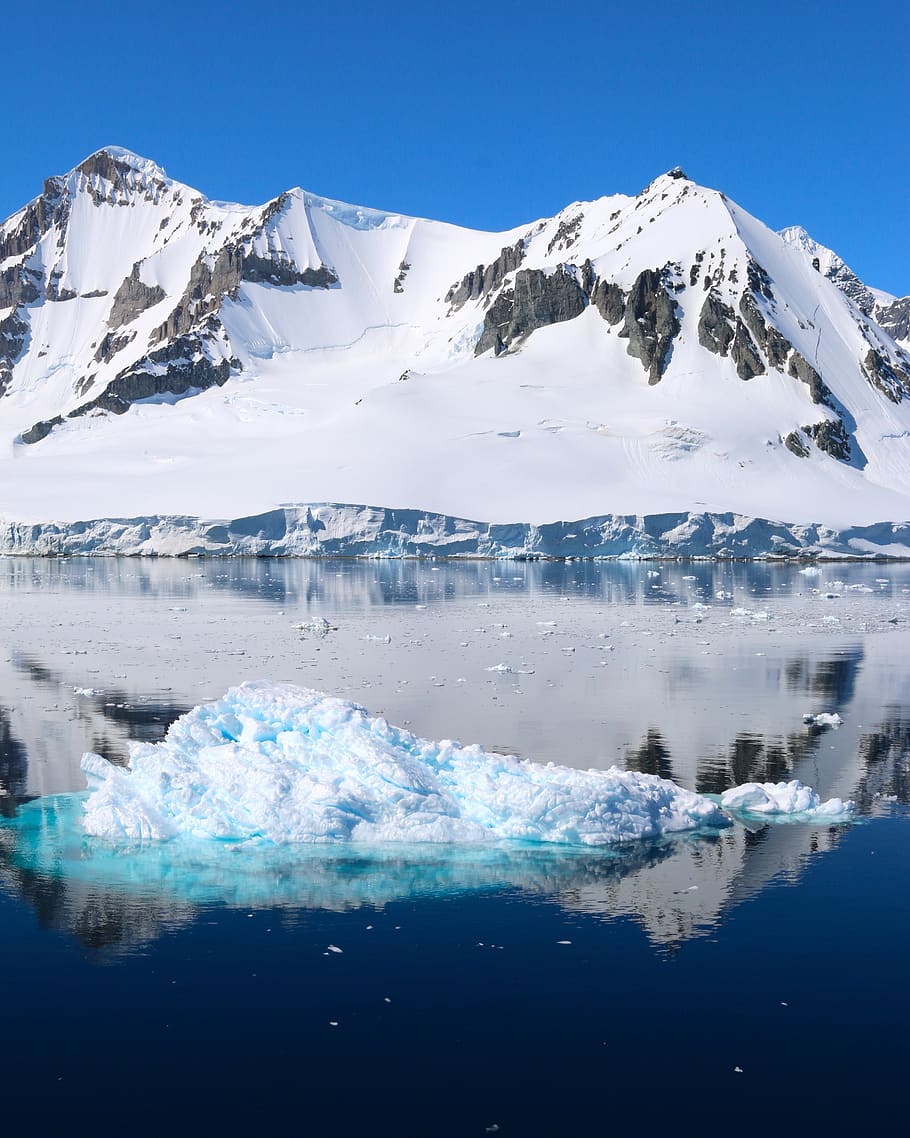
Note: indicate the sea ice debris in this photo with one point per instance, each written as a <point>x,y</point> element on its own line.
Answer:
<point>792,799</point>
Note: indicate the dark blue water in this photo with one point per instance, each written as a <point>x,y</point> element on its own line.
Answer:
<point>750,982</point>
<point>458,1009</point>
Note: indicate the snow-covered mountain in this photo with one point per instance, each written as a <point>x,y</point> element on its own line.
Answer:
<point>651,374</point>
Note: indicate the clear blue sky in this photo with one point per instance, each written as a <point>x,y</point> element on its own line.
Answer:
<point>486,114</point>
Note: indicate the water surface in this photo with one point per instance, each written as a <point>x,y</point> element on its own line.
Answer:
<point>205,982</point>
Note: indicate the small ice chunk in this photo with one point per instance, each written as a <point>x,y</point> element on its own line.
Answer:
<point>823,719</point>
<point>319,627</point>
<point>500,668</point>
<point>791,799</point>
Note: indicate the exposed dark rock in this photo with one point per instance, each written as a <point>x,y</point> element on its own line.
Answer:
<point>715,325</point>
<point>210,283</point>
<point>403,269</point>
<point>775,345</point>
<point>759,281</point>
<point>112,342</point>
<point>281,271</point>
<point>851,286</point>
<point>55,294</point>
<point>566,233</point>
<point>203,294</point>
<point>104,166</point>
<point>796,443</point>
<point>185,368</point>
<point>650,323</point>
<point>132,298</point>
<point>18,285</point>
<point>13,334</point>
<point>537,300</point>
<point>831,436</point>
<point>37,218</point>
<point>124,180</point>
<point>85,382</point>
<point>802,370</point>
<point>677,172</point>
<point>885,376</point>
<point>484,279</point>
<point>609,301</point>
<point>40,430</point>
<point>744,353</point>
<point>895,318</point>
<point>496,323</point>
<point>588,278</point>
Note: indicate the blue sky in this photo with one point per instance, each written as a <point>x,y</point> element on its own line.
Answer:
<point>486,114</point>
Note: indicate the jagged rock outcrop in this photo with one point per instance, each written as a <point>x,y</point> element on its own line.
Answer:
<point>484,279</point>
<point>566,233</point>
<point>715,325</point>
<point>802,370</point>
<point>54,293</point>
<point>176,369</point>
<point>895,318</point>
<point>650,323</point>
<point>184,366</point>
<point>398,284</point>
<point>893,382</point>
<point>213,278</point>
<point>831,436</point>
<point>19,285</point>
<point>13,336</point>
<point>536,300</point>
<point>796,443</point>
<point>608,299</point>
<point>111,343</point>
<point>745,354</point>
<point>773,343</point>
<point>133,298</point>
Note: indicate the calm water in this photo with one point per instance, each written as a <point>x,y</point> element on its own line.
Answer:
<point>149,993</point>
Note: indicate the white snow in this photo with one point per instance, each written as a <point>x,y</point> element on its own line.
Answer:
<point>565,426</point>
<point>791,799</point>
<point>282,763</point>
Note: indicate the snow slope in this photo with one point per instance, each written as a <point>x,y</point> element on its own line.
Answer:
<point>167,357</point>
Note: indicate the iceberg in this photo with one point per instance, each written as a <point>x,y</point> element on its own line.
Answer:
<point>278,763</point>
<point>783,800</point>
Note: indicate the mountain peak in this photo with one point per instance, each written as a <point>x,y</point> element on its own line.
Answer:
<point>111,161</point>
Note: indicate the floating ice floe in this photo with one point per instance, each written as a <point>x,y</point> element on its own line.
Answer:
<point>791,799</point>
<point>319,627</point>
<point>823,719</point>
<point>278,763</point>
<point>281,763</point>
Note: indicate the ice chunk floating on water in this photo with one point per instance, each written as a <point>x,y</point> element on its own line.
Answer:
<point>286,764</point>
<point>792,799</point>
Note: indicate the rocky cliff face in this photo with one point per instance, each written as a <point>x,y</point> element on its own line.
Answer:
<point>188,350</point>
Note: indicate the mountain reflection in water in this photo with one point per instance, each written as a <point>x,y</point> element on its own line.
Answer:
<point>701,673</point>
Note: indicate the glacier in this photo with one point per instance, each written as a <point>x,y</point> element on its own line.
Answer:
<point>278,763</point>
